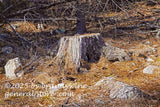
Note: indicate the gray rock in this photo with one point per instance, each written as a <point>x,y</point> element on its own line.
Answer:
<point>130,71</point>
<point>148,42</point>
<point>114,54</point>
<point>154,50</point>
<point>150,69</point>
<point>7,49</point>
<point>117,89</point>
<point>58,31</point>
<point>11,67</point>
<point>83,70</point>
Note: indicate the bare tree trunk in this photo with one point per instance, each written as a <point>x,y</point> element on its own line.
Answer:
<point>81,25</point>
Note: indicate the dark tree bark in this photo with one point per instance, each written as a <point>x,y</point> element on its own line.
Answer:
<point>81,25</point>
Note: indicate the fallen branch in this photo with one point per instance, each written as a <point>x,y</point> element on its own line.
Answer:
<point>132,27</point>
<point>44,19</point>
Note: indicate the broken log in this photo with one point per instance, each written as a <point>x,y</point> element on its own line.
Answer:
<point>73,50</point>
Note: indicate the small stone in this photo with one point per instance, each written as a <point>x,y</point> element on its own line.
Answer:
<point>82,70</point>
<point>11,67</point>
<point>150,69</point>
<point>148,43</point>
<point>113,54</point>
<point>131,71</point>
<point>58,31</point>
<point>154,50</point>
<point>150,60</point>
<point>128,42</point>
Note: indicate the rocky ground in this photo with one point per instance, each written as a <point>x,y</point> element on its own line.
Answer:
<point>127,74</point>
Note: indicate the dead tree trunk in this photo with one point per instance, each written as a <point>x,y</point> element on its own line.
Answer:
<point>75,49</point>
<point>81,24</point>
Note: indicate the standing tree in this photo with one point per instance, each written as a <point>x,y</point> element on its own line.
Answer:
<point>76,50</point>
<point>81,25</point>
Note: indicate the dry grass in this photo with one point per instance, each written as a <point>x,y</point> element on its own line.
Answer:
<point>25,26</point>
<point>129,72</point>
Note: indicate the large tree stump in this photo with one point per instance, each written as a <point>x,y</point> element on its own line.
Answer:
<point>75,49</point>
